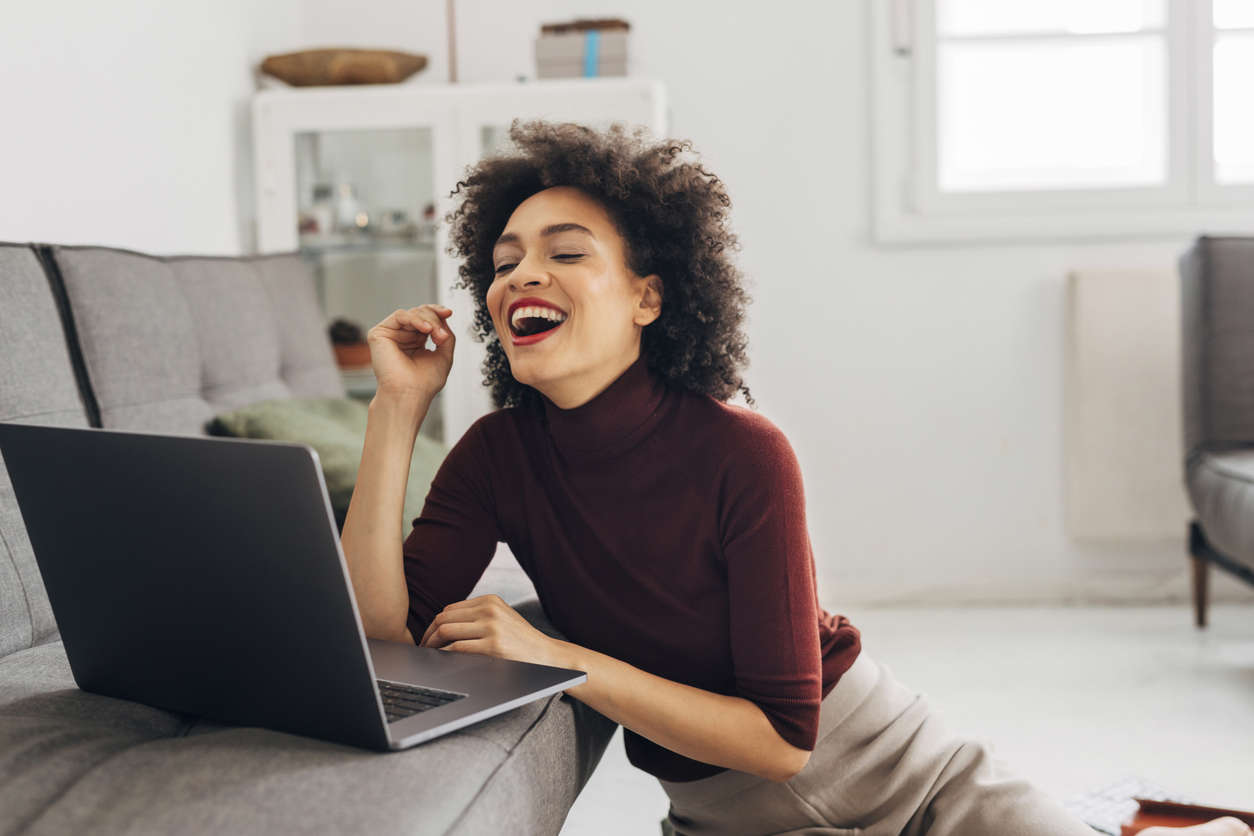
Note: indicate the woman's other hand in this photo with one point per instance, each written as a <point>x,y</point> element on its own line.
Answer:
<point>402,362</point>
<point>486,624</point>
<point>1226,826</point>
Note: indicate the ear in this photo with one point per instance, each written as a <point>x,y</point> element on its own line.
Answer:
<point>650,307</point>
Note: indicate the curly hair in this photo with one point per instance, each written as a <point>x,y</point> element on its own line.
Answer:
<point>672,215</point>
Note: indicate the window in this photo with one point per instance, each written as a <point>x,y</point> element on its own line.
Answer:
<point>1074,118</point>
<point>1232,46</point>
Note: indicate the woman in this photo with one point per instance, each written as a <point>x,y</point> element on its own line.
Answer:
<point>663,528</point>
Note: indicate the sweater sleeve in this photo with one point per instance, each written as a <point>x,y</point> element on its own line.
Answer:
<point>454,538</point>
<point>771,584</point>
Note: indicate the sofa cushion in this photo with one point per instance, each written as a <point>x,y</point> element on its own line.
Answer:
<point>1220,483</point>
<point>37,386</point>
<point>52,733</point>
<point>236,338</point>
<point>76,762</point>
<point>169,341</point>
<point>307,359</point>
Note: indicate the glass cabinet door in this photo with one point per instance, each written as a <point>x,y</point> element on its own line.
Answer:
<point>366,219</point>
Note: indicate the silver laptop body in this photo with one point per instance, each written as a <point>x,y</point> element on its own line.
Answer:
<point>204,575</point>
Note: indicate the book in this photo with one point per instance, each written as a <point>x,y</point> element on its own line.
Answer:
<point>1154,813</point>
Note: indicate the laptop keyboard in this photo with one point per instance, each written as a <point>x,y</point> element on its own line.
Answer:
<point>401,700</point>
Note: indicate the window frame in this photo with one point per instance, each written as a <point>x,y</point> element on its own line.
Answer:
<point>908,205</point>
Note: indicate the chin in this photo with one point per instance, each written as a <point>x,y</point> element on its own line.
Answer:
<point>519,370</point>
<point>524,370</point>
<point>530,373</point>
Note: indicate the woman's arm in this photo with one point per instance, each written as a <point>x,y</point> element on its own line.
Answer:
<point>371,538</point>
<point>702,725</point>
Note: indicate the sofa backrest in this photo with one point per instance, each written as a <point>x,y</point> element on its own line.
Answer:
<point>1217,342</point>
<point>169,342</point>
<point>37,386</point>
<point>104,337</point>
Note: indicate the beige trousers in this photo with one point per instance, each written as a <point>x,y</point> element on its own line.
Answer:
<point>885,764</point>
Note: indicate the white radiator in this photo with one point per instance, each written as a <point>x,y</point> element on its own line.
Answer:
<point>1122,427</point>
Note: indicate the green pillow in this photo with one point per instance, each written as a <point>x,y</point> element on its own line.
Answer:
<point>336,429</point>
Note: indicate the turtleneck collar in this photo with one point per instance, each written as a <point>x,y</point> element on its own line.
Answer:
<point>613,420</point>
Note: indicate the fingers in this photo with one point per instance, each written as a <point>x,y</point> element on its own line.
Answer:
<point>450,614</point>
<point>450,631</point>
<point>429,320</point>
<point>469,602</point>
<point>418,322</point>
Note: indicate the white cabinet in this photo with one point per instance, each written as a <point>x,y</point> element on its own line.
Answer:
<point>356,178</point>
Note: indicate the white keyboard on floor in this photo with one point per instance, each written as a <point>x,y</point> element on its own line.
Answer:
<point>1105,809</point>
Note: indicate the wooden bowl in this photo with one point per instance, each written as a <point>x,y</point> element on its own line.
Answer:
<point>320,67</point>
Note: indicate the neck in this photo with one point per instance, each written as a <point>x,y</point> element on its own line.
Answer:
<point>570,394</point>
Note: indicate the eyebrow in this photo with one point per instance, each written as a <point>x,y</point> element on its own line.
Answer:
<point>551,229</point>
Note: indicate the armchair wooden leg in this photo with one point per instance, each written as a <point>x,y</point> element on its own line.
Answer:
<point>1201,569</point>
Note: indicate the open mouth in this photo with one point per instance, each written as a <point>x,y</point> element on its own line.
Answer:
<point>531,323</point>
<point>529,326</point>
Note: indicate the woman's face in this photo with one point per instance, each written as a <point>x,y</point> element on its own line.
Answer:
<point>560,246</point>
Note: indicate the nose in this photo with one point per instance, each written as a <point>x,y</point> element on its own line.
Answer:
<point>526,274</point>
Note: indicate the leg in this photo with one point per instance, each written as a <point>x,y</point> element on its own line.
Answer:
<point>891,766</point>
<point>976,795</point>
<point>1200,574</point>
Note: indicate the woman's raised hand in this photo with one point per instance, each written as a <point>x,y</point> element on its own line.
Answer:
<point>402,362</point>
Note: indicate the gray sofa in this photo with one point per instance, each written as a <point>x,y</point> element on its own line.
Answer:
<point>1217,378</point>
<point>102,337</point>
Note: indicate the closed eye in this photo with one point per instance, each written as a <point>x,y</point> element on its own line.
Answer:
<point>563,256</point>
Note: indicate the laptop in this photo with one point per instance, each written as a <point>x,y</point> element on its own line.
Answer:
<point>204,575</point>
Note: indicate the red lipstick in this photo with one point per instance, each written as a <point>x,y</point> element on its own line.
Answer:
<point>535,338</point>
<point>531,301</point>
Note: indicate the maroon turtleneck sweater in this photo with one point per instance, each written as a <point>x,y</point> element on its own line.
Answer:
<point>662,527</point>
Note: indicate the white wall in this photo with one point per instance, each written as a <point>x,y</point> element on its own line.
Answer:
<point>125,123</point>
<point>921,387</point>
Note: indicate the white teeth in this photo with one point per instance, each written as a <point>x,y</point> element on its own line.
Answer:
<point>547,313</point>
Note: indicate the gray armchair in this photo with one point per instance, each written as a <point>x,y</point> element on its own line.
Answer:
<point>1217,378</point>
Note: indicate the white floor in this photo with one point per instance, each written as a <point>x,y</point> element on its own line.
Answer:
<point>1072,698</point>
